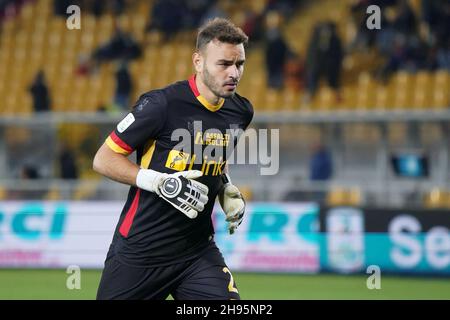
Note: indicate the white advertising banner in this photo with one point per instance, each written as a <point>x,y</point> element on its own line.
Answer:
<point>56,234</point>
<point>273,237</point>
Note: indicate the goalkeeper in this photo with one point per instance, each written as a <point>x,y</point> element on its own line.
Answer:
<point>164,240</point>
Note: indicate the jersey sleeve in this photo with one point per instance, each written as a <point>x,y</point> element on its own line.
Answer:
<point>144,122</point>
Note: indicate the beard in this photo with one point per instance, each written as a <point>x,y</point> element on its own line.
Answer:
<point>217,88</point>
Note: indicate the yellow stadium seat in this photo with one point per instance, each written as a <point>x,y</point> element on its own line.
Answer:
<point>437,198</point>
<point>365,93</point>
<point>86,189</point>
<point>340,196</point>
<point>291,99</point>
<point>383,98</point>
<point>402,85</point>
<point>246,191</point>
<point>354,197</point>
<point>441,91</point>
<point>327,99</point>
<point>422,90</point>
<point>53,194</point>
<point>273,100</point>
<point>337,196</point>
<point>3,191</point>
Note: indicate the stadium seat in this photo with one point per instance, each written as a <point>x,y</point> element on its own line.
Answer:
<point>437,198</point>
<point>273,100</point>
<point>336,197</point>
<point>246,191</point>
<point>342,196</point>
<point>422,90</point>
<point>291,99</point>
<point>3,193</point>
<point>441,94</point>
<point>402,84</point>
<point>365,93</point>
<point>86,187</point>
<point>53,194</point>
<point>325,99</point>
<point>354,197</point>
<point>46,42</point>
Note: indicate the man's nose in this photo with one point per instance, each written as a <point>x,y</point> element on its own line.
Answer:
<point>234,72</point>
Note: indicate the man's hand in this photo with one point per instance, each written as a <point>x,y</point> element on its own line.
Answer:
<point>179,189</point>
<point>233,205</point>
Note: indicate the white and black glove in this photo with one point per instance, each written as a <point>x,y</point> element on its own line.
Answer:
<point>179,189</point>
<point>232,203</point>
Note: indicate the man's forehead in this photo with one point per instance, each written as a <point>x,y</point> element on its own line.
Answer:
<point>226,51</point>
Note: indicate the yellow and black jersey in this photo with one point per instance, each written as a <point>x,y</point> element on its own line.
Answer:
<point>173,129</point>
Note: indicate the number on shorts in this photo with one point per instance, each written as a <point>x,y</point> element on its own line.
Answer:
<point>231,287</point>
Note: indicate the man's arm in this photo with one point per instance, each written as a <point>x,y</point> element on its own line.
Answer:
<point>190,198</point>
<point>115,166</point>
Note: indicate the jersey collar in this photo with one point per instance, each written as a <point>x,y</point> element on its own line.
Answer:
<point>202,99</point>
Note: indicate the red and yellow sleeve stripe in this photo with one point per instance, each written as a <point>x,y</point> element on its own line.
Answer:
<point>117,145</point>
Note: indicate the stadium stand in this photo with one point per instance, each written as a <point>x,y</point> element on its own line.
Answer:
<point>76,84</point>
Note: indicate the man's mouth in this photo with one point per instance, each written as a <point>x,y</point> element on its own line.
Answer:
<point>231,85</point>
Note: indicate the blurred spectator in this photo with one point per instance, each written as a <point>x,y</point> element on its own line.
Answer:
<point>320,170</point>
<point>214,11</point>
<point>121,46</point>
<point>294,72</point>
<point>443,57</point>
<point>385,36</point>
<point>26,173</point>
<point>276,52</point>
<point>118,7</point>
<point>321,164</point>
<point>8,7</point>
<point>436,16</point>
<point>295,193</point>
<point>60,7</point>
<point>124,86</point>
<point>254,16</point>
<point>84,65</point>
<point>195,12</point>
<point>67,162</point>
<point>40,94</point>
<point>98,7</point>
<point>405,22</point>
<point>29,172</point>
<point>166,17</point>
<point>285,7</point>
<point>324,58</point>
<point>365,38</point>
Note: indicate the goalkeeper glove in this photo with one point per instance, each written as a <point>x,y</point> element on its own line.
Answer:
<point>232,203</point>
<point>179,189</point>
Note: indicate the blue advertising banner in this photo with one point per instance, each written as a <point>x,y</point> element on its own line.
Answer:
<point>293,237</point>
<point>274,237</point>
<point>400,241</point>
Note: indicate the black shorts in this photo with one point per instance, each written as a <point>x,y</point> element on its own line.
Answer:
<point>205,278</point>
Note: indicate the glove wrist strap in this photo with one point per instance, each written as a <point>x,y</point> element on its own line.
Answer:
<point>148,179</point>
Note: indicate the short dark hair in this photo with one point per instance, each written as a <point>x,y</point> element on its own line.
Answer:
<point>221,29</point>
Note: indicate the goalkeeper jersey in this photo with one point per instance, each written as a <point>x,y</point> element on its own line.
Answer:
<point>173,129</point>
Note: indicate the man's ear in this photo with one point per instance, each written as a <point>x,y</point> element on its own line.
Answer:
<point>197,60</point>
